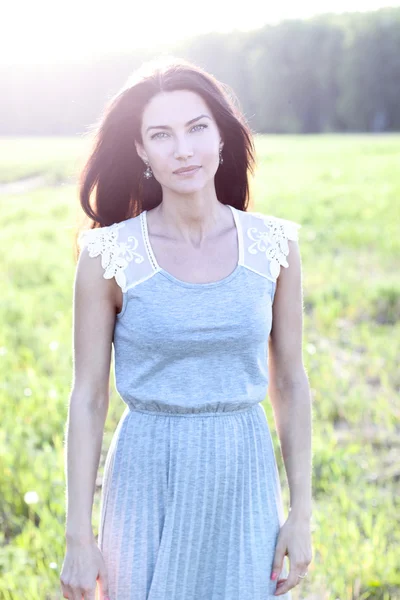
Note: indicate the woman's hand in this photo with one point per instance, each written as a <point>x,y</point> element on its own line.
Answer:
<point>294,539</point>
<point>83,565</point>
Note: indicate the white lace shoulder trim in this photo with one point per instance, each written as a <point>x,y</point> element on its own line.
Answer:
<point>115,254</point>
<point>273,240</point>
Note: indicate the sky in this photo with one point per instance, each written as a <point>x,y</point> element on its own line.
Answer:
<point>47,31</point>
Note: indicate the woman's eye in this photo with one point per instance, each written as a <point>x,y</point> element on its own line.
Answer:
<point>156,135</point>
<point>201,125</point>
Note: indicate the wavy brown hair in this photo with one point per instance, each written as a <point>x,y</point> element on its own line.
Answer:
<point>112,187</point>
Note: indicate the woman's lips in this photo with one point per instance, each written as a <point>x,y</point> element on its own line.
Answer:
<point>187,171</point>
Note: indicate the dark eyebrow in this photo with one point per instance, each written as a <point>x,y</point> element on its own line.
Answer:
<point>186,124</point>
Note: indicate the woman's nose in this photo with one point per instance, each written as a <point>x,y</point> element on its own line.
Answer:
<point>182,148</point>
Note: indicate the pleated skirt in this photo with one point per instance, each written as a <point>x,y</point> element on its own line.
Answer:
<point>191,506</point>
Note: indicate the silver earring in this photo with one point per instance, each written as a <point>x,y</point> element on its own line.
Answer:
<point>221,160</point>
<point>148,172</point>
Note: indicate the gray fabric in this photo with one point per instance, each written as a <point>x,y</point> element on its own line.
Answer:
<point>191,501</point>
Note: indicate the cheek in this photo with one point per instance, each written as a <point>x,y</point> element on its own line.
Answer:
<point>160,156</point>
<point>208,155</point>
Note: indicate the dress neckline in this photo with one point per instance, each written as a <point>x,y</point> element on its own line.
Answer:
<point>168,275</point>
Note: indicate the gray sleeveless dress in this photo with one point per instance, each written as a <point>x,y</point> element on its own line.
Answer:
<point>191,501</point>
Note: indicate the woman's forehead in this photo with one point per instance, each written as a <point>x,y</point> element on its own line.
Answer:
<point>179,106</point>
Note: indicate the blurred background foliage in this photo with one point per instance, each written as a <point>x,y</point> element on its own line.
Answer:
<point>332,72</point>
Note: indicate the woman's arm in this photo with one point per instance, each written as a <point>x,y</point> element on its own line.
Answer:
<point>95,301</point>
<point>94,319</point>
<point>288,386</point>
<point>290,397</point>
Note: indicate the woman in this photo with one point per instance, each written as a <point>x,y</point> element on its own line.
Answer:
<point>188,287</point>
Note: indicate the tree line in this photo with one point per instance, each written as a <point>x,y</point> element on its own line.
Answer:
<point>330,73</point>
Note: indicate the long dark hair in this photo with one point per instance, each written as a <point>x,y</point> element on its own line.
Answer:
<point>111,184</point>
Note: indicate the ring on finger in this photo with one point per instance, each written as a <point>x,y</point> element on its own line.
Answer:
<point>302,576</point>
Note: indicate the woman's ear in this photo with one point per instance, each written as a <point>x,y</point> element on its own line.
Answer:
<point>141,152</point>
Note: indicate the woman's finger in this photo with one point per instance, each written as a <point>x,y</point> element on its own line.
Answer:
<point>103,583</point>
<point>280,551</point>
<point>284,585</point>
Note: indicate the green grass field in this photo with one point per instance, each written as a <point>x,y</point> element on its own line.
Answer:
<point>345,191</point>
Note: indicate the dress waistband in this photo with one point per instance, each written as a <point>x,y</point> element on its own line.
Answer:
<point>194,412</point>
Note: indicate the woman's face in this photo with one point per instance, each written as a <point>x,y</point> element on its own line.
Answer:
<point>171,141</point>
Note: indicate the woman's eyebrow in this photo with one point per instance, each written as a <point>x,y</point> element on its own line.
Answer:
<point>186,124</point>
